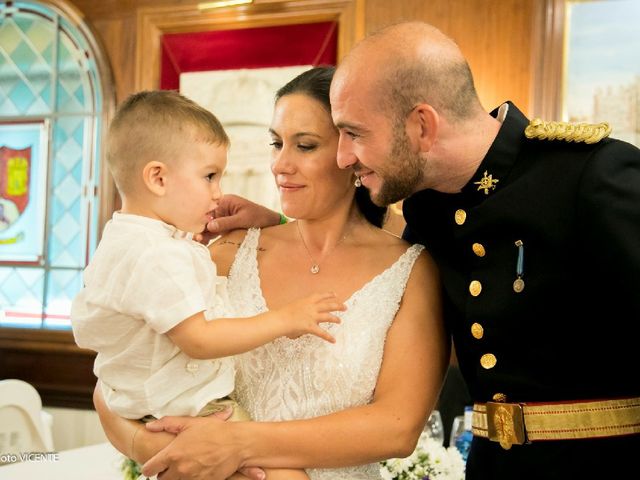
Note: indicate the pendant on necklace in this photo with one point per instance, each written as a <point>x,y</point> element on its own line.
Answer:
<point>315,268</point>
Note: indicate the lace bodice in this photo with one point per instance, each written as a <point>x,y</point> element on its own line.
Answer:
<point>308,377</point>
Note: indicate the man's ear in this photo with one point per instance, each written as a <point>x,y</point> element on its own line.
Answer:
<point>154,176</point>
<point>423,126</point>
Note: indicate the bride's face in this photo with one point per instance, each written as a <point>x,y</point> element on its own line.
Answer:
<point>303,159</point>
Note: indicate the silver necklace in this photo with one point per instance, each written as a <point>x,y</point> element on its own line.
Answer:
<point>315,266</point>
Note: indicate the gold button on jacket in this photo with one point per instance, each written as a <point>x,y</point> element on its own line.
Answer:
<point>488,360</point>
<point>477,331</point>
<point>460,216</point>
<point>478,249</point>
<point>475,287</point>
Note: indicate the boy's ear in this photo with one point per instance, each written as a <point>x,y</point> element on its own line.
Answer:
<point>154,176</point>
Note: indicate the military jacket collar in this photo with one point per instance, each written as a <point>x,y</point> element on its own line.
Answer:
<point>500,158</point>
<point>499,161</point>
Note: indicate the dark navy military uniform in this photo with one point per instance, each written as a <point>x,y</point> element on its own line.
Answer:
<point>571,212</point>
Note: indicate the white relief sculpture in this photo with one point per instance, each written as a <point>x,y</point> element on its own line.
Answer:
<point>243,101</point>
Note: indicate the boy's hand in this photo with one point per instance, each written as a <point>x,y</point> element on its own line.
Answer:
<point>305,315</point>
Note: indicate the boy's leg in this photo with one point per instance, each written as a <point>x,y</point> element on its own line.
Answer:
<point>239,414</point>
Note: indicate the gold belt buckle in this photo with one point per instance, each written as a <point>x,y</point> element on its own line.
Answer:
<point>505,423</point>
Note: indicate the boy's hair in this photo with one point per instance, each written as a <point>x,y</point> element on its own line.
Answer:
<point>156,125</point>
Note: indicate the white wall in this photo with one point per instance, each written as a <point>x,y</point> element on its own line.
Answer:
<point>75,428</point>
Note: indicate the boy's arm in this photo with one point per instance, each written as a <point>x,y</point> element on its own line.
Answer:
<point>223,337</point>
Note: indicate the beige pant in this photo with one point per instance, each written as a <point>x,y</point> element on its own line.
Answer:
<point>215,406</point>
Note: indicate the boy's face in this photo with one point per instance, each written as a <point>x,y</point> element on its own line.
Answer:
<point>193,185</point>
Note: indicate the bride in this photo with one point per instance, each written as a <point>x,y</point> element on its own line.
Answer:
<point>332,409</point>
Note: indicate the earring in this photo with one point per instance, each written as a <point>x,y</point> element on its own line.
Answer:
<point>358,182</point>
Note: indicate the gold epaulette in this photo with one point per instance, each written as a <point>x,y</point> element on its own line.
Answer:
<point>569,132</point>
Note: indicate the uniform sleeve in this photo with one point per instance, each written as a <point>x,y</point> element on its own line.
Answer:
<point>163,288</point>
<point>409,236</point>
<point>609,219</point>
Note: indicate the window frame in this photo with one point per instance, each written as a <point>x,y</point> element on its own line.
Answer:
<point>48,358</point>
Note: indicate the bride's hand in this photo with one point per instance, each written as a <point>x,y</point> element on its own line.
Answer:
<point>204,448</point>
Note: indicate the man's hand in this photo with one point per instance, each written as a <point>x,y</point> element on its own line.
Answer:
<point>203,449</point>
<point>235,212</point>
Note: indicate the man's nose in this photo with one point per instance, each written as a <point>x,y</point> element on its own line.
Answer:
<point>346,157</point>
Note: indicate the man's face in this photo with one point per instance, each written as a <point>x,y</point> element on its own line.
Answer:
<point>374,143</point>
<point>408,169</point>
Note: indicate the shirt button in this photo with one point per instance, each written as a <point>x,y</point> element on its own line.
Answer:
<point>475,287</point>
<point>478,249</point>
<point>477,331</point>
<point>488,360</point>
<point>460,216</point>
<point>192,367</point>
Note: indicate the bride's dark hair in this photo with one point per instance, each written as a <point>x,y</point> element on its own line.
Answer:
<point>315,83</point>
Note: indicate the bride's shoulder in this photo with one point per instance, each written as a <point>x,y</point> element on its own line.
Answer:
<point>274,236</point>
<point>388,244</point>
<point>386,240</point>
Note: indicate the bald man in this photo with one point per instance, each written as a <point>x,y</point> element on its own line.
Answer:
<point>535,228</point>
<point>537,242</point>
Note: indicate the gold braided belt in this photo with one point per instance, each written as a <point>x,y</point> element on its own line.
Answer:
<point>519,423</point>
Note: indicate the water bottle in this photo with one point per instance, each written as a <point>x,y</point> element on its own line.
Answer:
<point>463,439</point>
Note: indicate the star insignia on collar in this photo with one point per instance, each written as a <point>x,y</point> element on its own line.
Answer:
<point>486,183</point>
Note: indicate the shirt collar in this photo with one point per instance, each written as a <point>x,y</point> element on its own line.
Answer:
<point>150,224</point>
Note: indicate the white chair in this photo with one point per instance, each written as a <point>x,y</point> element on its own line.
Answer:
<point>24,426</point>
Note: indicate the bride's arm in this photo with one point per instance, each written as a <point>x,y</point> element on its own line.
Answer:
<point>129,436</point>
<point>414,362</point>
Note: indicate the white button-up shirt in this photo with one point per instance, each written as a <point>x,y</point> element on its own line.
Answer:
<point>145,278</point>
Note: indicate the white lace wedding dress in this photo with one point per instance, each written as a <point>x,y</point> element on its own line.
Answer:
<point>308,377</point>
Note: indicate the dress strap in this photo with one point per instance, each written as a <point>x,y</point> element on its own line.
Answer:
<point>401,270</point>
<point>387,288</point>
<point>247,252</point>
<point>244,276</point>
<point>250,242</point>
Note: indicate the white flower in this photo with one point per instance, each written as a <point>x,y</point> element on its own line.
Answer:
<point>429,459</point>
<point>386,474</point>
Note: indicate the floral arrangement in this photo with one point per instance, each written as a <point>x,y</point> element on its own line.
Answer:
<point>429,461</point>
<point>131,470</point>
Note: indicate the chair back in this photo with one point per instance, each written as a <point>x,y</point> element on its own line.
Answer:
<point>23,426</point>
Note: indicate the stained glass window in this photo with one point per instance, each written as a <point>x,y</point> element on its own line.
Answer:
<point>49,74</point>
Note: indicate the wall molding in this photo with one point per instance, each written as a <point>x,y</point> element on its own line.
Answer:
<point>154,22</point>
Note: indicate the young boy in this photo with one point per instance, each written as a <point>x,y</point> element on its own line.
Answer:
<point>152,305</point>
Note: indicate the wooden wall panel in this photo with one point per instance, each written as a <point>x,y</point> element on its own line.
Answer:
<point>118,24</point>
<point>51,362</point>
<point>495,36</point>
<point>118,35</point>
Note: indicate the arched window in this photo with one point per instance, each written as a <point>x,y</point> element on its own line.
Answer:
<point>55,91</point>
